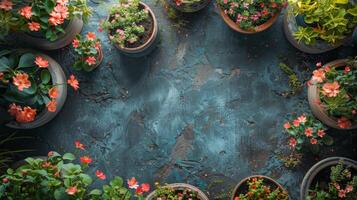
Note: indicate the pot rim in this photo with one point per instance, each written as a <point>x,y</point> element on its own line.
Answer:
<point>244,180</point>
<point>149,41</point>
<point>313,94</point>
<point>257,29</point>
<point>180,185</point>
<point>203,3</point>
<point>317,168</point>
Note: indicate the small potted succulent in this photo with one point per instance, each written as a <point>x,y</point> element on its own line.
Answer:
<point>331,178</point>
<point>62,177</point>
<point>306,131</point>
<point>32,87</point>
<point>188,6</point>
<point>259,187</point>
<point>132,27</point>
<point>88,52</point>
<point>176,191</point>
<point>250,17</point>
<point>315,26</point>
<point>332,93</point>
<point>50,24</point>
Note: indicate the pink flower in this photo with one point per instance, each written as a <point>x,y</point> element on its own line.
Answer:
<point>347,69</point>
<point>327,68</point>
<point>75,43</point>
<point>319,64</point>
<point>6,5</point>
<point>225,1</point>
<point>296,123</point>
<point>313,141</point>
<point>91,36</point>
<point>34,26</point>
<point>145,187</point>
<point>331,89</point>
<point>342,193</point>
<point>100,175</point>
<point>337,186</point>
<point>5,180</point>
<point>41,62</point>
<point>62,10</point>
<point>343,122</point>
<point>91,60</point>
<point>308,132</point>
<point>321,133</point>
<point>62,2</point>
<point>26,12</point>
<point>349,188</point>
<point>71,190</point>
<point>319,76</point>
<point>302,119</point>
<point>292,142</point>
<point>287,125</point>
<point>133,183</point>
<point>79,145</point>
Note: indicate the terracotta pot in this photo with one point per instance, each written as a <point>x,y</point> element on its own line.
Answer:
<point>268,179</point>
<point>291,26</point>
<point>180,186</point>
<point>236,27</point>
<point>43,117</point>
<point>149,45</point>
<point>73,28</point>
<point>313,95</point>
<point>317,168</point>
<point>189,8</point>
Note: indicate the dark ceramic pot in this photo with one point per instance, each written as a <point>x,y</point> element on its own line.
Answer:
<point>58,78</point>
<point>242,184</point>
<point>313,95</point>
<point>149,45</point>
<point>181,186</point>
<point>315,170</point>
<point>189,8</point>
<point>73,28</point>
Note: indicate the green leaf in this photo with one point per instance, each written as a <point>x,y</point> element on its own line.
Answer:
<point>49,5</point>
<point>327,140</point>
<point>27,60</point>
<point>45,76</point>
<point>60,194</point>
<point>4,52</point>
<point>9,171</point>
<point>68,156</point>
<point>341,1</point>
<point>4,64</point>
<point>87,180</point>
<point>32,89</point>
<point>117,182</point>
<point>95,192</point>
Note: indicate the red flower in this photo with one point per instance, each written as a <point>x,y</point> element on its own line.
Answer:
<point>41,62</point>
<point>265,12</point>
<point>100,175</point>
<point>308,132</point>
<point>26,115</point>
<point>91,36</point>
<point>75,43</point>
<point>343,122</point>
<point>91,60</point>
<point>287,125</point>
<point>133,183</point>
<point>296,123</point>
<point>73,82</point>
<point>274,5</point>
<point>313,141</point>
<point>347,69</point>
<point>178,2</point>
<point>79,145</point>
<point>1,75</point>
<point>327,68</point>
<point>139,191</point>
<point>71,190</point>
<point>5,180</point>
<point>145,187</point>
<point>52,106</point>
<point>342,193</point>
<point>86,159</point>
<point>262,5</point>
<point>321,133</point>
<point>292,142</point>
<point>53,93</point>
<point>6,5</point>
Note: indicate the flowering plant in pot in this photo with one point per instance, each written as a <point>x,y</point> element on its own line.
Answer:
<point>32,86</point>
<point>332,93</point>
<point>131,27</point>
<point>61,177</point>
<point>259,187</point>
<point>317,26</point>
<point>307,131</point>
<point>176,191</point>
<point>189,6</point>
<point>250,16</point>
<point>9,18</point>
<point>88,52</point>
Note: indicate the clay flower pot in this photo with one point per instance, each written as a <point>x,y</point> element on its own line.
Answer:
<point>241,186</point>
<point>44,116</point>
<point>73,28</point>
<point>180,186</point>
<point>311,176</point>
<point>189,8</point>
<point>236,27</point>
<point>313,95</point>
<point>291,26</point>
<point>149,45</point>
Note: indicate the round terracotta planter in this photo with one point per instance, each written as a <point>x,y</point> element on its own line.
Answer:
<point>317,168</point>
<point>73,28</point>
<point>189,8</point>
<point>43,117</point>
<point>266,178</point>
<point>313,95</point>
<point>291,26</point>
<point>257,29</point>
<point>180,186</point>
<point>149,45</point>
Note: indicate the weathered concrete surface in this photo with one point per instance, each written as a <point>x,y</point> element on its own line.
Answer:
<point>204,108</point>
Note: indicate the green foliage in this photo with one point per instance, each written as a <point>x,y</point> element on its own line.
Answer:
<point>115,190</point>
<point>124,25</point>
<point>294,81</point>
<point>327,20</point>
<point>168,193</point>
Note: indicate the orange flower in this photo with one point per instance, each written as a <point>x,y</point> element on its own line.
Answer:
<point>6,5</point>
<point>331,89</point>
<point>100,175</point>
<point>86,159</point>
<point>319,76</point>
<point>14,109</point>
<point>52,106</point>
<point>91,60</point>
<point>287,125</point>
<point>41,62</point>
<point>55,19</point>
<point>26,12</point>
<point>313,141</point>
<point>79,145</point>
<point>53,93</point>
<point>75,43</point>
<point>26,115</point>
<point>71,190</point>
<point>133,183</point>
<point>21,81</point>
<point>34,26</point>
<point>62,10</point>
<point>73,82</point>
<point>308,132</point>
<point>343,122</point>
<point>321,133</point>
<point>91,36</point>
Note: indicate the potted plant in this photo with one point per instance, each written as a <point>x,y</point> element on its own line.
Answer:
<point>307,131</point>
<point>88,52</point>
<point>250,17</point>
<point>315,26</point>
<point>50,24</point>
<point>9,18</point>
<point>259,187</point>
<point>332,93</point>
<point>132,27</point>
<point>62,177</point>
<point>176,191</point>
<point>188,6</point>
<point>32,86</point>
<point>331,178</point>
